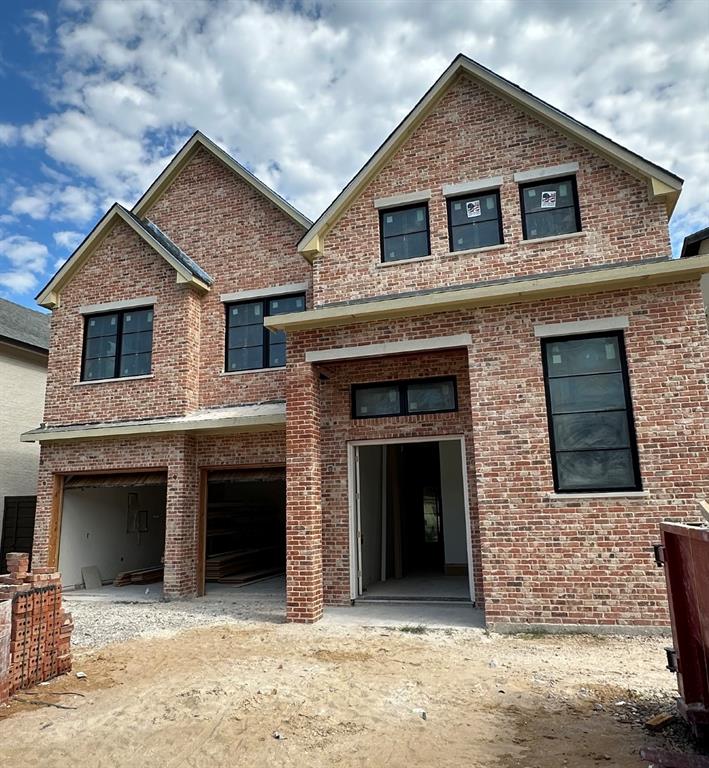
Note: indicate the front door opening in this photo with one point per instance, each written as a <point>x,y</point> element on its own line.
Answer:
<point>245,536</point>
<point>411,532</point>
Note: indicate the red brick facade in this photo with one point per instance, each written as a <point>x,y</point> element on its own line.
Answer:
<point>538,557</point>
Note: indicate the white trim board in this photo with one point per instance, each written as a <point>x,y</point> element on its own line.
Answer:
<point>409,197</point>
<point>551,172</point>
<point>389,348</point>
<point>110,306</point>
<point>480,185</point>
<point>582,326</point>
<point>259,293</point>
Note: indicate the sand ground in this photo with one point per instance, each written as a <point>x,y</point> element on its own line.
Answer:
<point>285,695</point>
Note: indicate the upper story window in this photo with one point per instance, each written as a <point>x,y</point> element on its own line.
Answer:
<point>590,414</point>
<point>550,208</point>
<point>117,344</point>
<point>474,221</point>
<point>249,344</point>
<point>404,232</point>
<point>403,398</point>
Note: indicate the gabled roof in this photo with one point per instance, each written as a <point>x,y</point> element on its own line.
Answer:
<point>661,183</point>
<point>188,271</point>
<point>24,327</point>
<point>693,243</point>
<point>199,140</point>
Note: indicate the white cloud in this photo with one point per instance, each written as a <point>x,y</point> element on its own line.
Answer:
<point>303,92</point>
<point>37,30</point>
<point>67,239</point>
<point>22,262</point>
<point>35,206</point>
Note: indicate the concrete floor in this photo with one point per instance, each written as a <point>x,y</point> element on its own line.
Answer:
<point>270,595</point>
<point>420,586</point>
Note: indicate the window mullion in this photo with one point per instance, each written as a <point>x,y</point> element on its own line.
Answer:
<point>119,345</point>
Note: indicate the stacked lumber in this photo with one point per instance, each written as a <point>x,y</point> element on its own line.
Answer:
<point>37,646</point>
<point>248,577</point>
<point>223,564</point>
<point>139,576</point>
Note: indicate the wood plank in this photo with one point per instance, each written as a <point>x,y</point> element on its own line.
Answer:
<point>55,521</point>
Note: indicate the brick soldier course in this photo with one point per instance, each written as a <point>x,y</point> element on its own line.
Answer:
<point>539,557</point>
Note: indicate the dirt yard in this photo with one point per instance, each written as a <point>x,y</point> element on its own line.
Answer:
<point>265,694</point>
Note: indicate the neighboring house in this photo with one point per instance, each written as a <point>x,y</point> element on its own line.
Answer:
<point>24,344</point>
<point>494,391</point>
<point>698,244</point>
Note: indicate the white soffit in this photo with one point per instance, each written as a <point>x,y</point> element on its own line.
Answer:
<point>259,293</point>
<point>389,348</point>
<point>582,326</point>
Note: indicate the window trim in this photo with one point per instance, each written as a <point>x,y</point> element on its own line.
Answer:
<point>538,183</point>
<point>402,385</point>
<point>466,196</point>
<point>397,209</point>
<point>119,343</point>
<point>632,434</point>
<point>265,341</point>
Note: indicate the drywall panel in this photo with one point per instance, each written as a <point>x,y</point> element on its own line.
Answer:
<point>95,531</point>
<point>453,503</point>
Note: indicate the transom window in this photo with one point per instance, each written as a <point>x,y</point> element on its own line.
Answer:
<point>249,344</point>
<point>403,398</point>
<point>117,344</point>
<point>590,414</point>
<point>474,221</point>
<point>550,208</point>
<point>404,232</point>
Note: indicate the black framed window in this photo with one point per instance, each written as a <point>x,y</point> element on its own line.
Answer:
<point>249,344</point>
<point>550,208</point>
<point>117,344</point>
<point>404,232</point>
<point>404,398</point>
<point>474,221</point>
<point>591,427</point>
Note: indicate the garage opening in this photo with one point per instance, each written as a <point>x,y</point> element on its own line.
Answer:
<point>410,522</point>
<point>245,536</point>
<point>113,529</point>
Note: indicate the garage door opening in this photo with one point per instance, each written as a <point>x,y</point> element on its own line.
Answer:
<point>245,530</point>
<point>113,530</point>
<point>410,525</point>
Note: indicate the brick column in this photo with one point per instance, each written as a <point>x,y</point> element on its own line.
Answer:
<point>304,582</point>
<point>181,521</point>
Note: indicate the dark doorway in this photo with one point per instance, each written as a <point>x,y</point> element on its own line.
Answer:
<point>411,521</point>
<point>245,537</point>
<point>17,526</point>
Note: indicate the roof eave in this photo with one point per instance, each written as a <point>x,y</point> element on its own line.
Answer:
<point>513,292</point>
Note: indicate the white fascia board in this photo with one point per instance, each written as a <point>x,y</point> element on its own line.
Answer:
<point>258,293</point>
<point>111,306</point>
<point>582,326</point>
<point>550,172</point>
<point>389,348</point>
<point>409,197</point>
<point>479,185</point>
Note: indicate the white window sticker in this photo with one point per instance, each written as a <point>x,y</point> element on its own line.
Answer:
<point>274,304</point>
<point>457,206</point>
<point>563,190</point>
<point>556,359</point>
<point>472,208</point>
<point>610,351</point>
<point>548,199</point>
<point>392,396</point>
<point>419,215</point>
<point>490,204</point>
<point>390,219</point>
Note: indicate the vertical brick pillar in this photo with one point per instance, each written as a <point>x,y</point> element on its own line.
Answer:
<point>304,582</point>
<point>43,513</point>
<point>181,521</point>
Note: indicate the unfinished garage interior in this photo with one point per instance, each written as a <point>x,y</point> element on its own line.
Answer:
<point>410,529</point>
<point>112,529</point>
<point>245,527</point>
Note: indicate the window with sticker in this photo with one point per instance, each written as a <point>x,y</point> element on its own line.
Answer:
<point>117,344</point>
<point>404,233</point>
<point>249,344</point>
<point>550,208</point>
<point>474,221</point>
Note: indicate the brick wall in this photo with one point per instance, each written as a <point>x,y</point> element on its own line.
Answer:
<point>544,558</point>
<point>472,134</point>
<point>244,242</point>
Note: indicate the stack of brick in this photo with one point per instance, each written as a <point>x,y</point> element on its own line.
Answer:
<point>35,631</point>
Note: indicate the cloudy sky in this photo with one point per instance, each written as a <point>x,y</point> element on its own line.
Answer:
<point>97,97</point>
